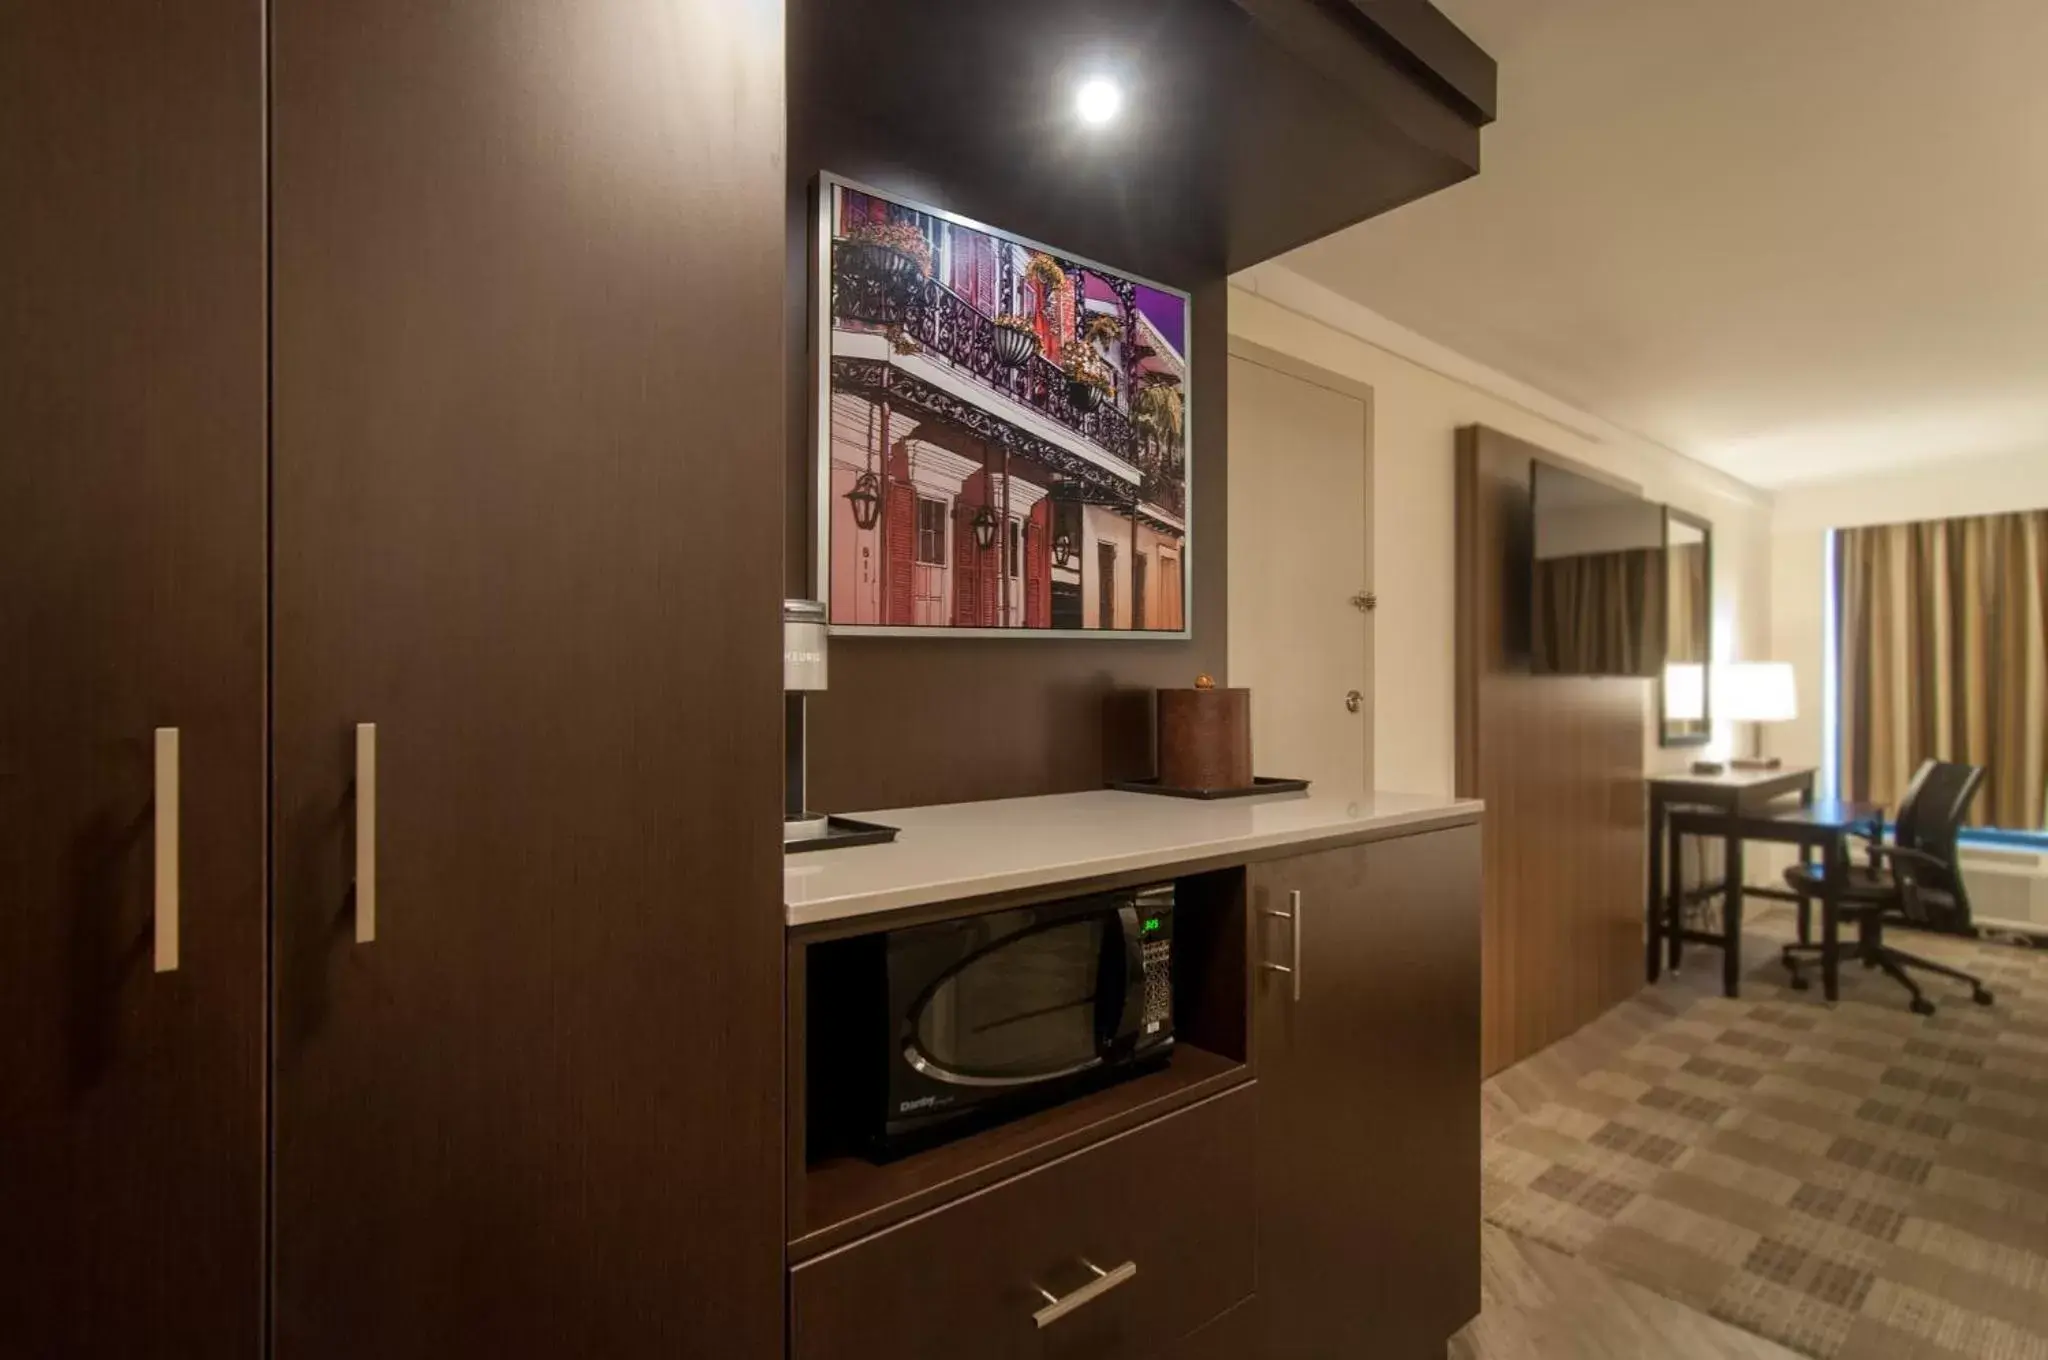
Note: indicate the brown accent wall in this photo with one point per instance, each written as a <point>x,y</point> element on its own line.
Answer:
<point>1236,112</point>
<point>1559,761</point>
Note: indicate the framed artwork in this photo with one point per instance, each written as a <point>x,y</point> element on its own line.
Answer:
<point>1003,432</point>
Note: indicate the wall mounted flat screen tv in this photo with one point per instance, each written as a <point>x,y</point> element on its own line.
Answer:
<point>1597,591</point>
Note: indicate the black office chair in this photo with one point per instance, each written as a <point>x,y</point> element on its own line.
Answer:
<point>1915,881</point>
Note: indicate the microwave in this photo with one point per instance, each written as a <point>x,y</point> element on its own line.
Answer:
<point>929,1030</point>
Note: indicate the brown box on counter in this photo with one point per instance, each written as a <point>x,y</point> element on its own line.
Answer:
<point>1205,738</point>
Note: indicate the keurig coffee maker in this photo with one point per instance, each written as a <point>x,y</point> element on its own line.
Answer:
<point>804,673</point>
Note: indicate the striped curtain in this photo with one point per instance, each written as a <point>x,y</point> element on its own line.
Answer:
<point>1942,645</point>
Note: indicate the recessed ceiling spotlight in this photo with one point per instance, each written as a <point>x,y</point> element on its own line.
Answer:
<point>1098,100</point>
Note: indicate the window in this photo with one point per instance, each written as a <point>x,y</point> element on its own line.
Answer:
<point>931,531</point>
<point>1105,585</point>
<point>1940,650</point>
<point>1066,536</point>
<point>1016,551</point>
<point>1138,565</point>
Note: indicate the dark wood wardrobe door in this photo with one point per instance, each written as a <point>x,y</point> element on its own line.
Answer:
<point>131,598</point>
<point>528,501</point>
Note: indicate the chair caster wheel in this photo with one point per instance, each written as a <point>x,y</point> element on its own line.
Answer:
<point>1922,1006</point>
<point>1981,997</point>
<point>1798,983</point>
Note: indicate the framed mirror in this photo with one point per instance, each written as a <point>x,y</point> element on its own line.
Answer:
<point>1688,639</point>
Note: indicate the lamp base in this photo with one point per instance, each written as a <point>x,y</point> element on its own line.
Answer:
<point>1756,763</point>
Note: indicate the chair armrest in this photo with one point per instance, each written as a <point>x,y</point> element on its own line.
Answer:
<point>1872,833</point>
<point>1907,856</point>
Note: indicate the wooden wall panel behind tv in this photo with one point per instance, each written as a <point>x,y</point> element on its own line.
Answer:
<point>1559,761</point>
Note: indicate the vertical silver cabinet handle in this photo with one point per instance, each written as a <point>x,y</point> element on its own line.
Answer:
<point>1058,1306</point>
<point>366,832</point>
<point>1293,917</point>
<point>166,871</point>
<point>1294,902</point>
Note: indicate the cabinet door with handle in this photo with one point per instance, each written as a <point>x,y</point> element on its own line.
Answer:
<point>1367,1033</point>
<point>528,481</point>
<point>131,679</point>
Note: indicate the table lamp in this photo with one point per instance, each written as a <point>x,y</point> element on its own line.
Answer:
<point>1756,692</point>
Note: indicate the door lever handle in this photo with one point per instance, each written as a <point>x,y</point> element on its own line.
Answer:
<point>166,870</point>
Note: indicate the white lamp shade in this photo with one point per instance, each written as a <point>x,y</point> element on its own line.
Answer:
<point>1685,692</point>
<point>1756,692</point>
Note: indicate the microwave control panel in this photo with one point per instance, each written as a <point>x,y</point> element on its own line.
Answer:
<point>1158,986</point>
<point>1155,928</point>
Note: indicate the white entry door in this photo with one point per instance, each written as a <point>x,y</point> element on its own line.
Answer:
<point>1300,565</point>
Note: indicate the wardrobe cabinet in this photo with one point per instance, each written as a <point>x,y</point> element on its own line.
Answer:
<point>416,438</point>
<point>528,461</point>
<point>1368,1080</point>
<point>131,599</point>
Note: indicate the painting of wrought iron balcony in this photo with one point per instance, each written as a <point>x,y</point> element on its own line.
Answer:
<point>943,324</point>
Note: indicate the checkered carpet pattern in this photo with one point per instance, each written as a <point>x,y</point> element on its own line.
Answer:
<point>1850,1181</point>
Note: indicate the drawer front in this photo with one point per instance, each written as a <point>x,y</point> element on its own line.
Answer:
<point>1165,1211</point>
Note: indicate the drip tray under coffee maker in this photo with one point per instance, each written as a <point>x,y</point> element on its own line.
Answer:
<point>831,833</point>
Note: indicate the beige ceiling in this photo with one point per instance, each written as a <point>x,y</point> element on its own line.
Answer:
<point>1796,239</point>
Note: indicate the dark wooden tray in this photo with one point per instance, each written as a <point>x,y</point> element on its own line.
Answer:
<point>1260,784</point>
<point>841,832</point>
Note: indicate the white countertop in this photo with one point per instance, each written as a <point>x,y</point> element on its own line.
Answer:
<point>963,850</point>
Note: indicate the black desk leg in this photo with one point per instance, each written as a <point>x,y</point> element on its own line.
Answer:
<point>1731,922</point>
<point>1653,908</point>
<point>1673,906</point>
<point>1805,857</point>
<point>1836,868</point>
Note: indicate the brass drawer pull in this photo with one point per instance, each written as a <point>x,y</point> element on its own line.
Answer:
<point>1058,1306</point>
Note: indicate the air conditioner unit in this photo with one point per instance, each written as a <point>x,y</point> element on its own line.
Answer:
<point>2007,887</point>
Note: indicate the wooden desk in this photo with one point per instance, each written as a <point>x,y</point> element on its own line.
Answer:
<point>1821,827</point>
<point>1735,794</point>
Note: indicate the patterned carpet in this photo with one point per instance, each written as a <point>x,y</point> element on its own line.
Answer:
<point>1852,1181</point>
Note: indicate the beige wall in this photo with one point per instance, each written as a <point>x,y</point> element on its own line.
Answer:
<point>1800,525</point>
<point>1421,395</point>
<point>1944,490</point>
<point>1798,589</point>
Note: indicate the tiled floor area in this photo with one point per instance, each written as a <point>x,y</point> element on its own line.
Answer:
<point>1625,1163</point>
<point>1545,1305</point>
<point>1541,1304</point>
